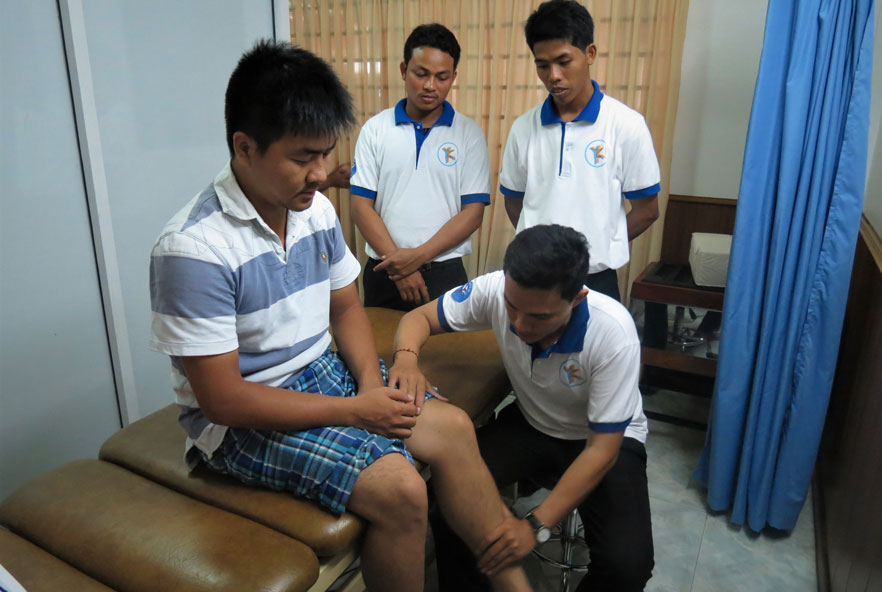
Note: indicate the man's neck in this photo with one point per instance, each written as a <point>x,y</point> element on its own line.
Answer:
<point>276,218</point>
<point>576,106</point>
<point>427,119</point>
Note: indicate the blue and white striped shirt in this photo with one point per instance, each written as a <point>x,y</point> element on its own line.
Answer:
<point>220,280</point>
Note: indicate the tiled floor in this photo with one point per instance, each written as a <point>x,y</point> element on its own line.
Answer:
<point>697,550</point>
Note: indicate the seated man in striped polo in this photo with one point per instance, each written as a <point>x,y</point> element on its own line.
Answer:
<point>245,281</point>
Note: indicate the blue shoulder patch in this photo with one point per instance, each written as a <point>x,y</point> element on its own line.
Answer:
<point>462,292</point>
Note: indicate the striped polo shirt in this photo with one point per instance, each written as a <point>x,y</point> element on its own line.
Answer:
<point>220,280</point>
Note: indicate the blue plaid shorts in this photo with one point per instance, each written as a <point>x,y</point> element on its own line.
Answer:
<point>320,464</point>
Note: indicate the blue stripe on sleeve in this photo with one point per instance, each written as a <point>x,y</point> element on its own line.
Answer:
<point>643,192</point>
<point>190,288</point>
<point>475,198</point>
<point>251,362</point>
<point>441,318</point>
<point>609,428</point>
<point>355,189</point>
<point>510,192</point>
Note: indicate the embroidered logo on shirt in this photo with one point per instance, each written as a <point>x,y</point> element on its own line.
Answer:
<point>324,257</point>
<point>595,153</point>
<point>572,373</point>
<point>448,154</point>
<point>462,292</point>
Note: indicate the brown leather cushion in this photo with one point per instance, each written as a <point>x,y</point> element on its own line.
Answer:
<point>38,571</point>
<point>465,367</point>
<point>154,447</point>
<point>134,535</point>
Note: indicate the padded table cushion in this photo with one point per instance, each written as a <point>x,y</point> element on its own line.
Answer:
<point>135,535</point>
<point>154,447</point>
<point>38,571</point>
<point>466,367</point>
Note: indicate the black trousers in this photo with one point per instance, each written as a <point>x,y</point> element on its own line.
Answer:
<point>441,276</point>
<point>605,282</point>
<point>618,525</point>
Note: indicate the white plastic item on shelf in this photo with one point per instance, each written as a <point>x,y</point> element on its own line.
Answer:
<point>709,258</point>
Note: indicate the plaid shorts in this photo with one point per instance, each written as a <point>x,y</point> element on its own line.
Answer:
<point>320,464</point>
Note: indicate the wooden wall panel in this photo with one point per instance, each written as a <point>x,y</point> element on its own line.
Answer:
<point>687,214</point>
<point>848,479</point>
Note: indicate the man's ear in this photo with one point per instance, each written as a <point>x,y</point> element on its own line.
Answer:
<point>403,68</point>
<point>580,297</point>
<point>590,53</point>
<point>244,147</point>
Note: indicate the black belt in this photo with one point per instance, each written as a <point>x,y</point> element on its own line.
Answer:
<point>430,264</point>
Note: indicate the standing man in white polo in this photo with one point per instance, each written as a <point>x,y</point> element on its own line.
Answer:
<point>420,181</point>
<point>573,158</point>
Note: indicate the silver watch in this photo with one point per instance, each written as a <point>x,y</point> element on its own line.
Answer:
<point>543,533</point>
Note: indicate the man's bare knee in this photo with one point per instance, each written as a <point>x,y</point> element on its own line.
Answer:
<point>390,490</point>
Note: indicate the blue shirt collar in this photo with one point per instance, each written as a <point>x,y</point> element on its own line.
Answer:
<point>548,115</point>
<point>401,115</point>
<point>573,338</point>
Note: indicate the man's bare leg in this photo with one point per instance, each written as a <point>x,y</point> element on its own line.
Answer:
<point>391,496</point>
<point>444,437</point>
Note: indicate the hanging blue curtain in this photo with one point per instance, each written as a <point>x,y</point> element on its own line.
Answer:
<point>799,209</point>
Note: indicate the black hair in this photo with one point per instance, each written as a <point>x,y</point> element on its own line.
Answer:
<point>433,35</point>
<point>566,20</point>
<point>548,256</point>
<point>278,89</point>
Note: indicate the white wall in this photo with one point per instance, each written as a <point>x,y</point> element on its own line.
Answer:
<point>720,62</point>
<point>873,195</point>
<point>158,73</point>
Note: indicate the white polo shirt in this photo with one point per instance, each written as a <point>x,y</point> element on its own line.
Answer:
<point>576,173</point>
<point>220,280</point>
<point>420,178</point>
<point>587,380</point>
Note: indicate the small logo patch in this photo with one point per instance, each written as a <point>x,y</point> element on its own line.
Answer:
<point>462,292</point>
<point>595,153</point>
<point>572,373</point>
<point>448,154</point>
<point>324,257</point>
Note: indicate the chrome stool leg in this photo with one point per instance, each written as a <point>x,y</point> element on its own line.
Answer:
<point>569,541</point>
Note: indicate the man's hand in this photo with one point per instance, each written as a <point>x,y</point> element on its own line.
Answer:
<point>406,376</point>
<point>339,177</point>
<point>507,544</point>
<point>413,288</point>
<point>401,263</point>
<point>385,411</point>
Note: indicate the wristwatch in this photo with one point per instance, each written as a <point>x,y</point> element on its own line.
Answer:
<point>543,533</point>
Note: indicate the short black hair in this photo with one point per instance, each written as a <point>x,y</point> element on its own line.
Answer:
<point>278,89</point>
<point>566,20</point>
<point>548,256</point>
<point>432,35</point>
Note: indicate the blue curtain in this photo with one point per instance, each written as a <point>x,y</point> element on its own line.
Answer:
<point>799,209</point>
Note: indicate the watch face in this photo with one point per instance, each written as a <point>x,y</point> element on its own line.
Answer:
<point>542,535</point>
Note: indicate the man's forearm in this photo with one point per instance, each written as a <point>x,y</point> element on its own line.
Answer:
<point>371,225</point>
<point>454,231</point>
<point>354,338</point>
<point>513,207</point>
<point>644,211</point>
<point>580,478</point>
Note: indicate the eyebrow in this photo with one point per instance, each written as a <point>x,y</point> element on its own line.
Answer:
<point>566,54</point>
<point>311,151</point>
<point>532,314</point>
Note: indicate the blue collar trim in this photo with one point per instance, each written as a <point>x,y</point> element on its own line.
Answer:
<point>401,115</point>
<point>548,115</point>
<point>573,338</point>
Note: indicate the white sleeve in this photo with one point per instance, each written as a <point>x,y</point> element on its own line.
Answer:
<point>639,163</point>
<point>475,180</point>
<point>614,390</point>
<point>365,167</point>
<point>470,307</point>
<point>513,175</point>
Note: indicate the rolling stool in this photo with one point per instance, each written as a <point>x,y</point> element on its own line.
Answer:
<point>566,549</point>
